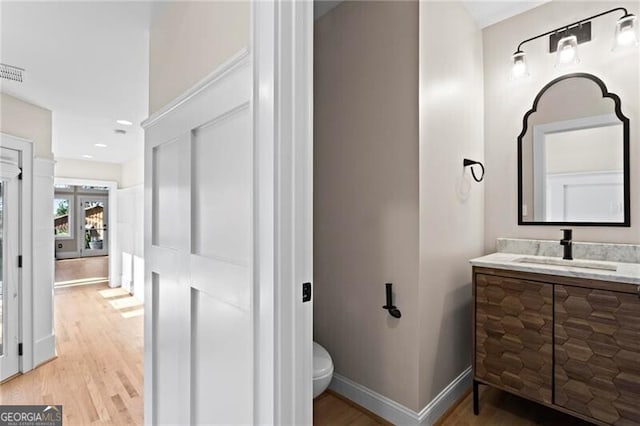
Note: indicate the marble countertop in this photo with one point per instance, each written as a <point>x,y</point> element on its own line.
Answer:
<point>627,273</point>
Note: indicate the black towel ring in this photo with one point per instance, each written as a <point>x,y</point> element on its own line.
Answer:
<point>470,163</point>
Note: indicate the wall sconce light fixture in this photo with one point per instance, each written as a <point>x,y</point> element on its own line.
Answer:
<point>626,33</point>
<point>564,40</point>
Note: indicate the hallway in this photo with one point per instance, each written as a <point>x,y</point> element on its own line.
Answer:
<point>97,375</point>
<point>82,270</point>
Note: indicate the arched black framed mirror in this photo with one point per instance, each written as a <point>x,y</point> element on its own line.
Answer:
<point>573,156</point>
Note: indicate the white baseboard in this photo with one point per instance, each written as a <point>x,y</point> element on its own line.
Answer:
<point>446,398</point>
<point>397,413</point>
<point>44,349</point>
<point>126,283</point>
<point>67,255</point>
<point>378,404</point>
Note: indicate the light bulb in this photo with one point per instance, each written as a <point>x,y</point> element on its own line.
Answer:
<point>567,54</point>
<point>567,51</point>
<point>519,69</point>
<point>519,65</point>
<point>626,37</point>
<point>626,33</point>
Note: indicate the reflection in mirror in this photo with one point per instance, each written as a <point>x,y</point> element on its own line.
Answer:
<point>573,156</point>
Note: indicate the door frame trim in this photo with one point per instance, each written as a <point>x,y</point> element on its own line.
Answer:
<point>282,41</point>
<point>25,147</point>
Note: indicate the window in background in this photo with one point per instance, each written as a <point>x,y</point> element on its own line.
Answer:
<point>63,217</point>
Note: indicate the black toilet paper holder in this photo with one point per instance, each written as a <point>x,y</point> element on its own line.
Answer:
<point>393,310</point>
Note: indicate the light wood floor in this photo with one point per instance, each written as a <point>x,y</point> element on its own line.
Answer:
<point>97,376</point>
<point>330,409</point>
<point>84,270</point>
<point>499,408</point>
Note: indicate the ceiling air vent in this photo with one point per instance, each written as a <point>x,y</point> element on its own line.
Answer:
<point>120,132</point>
<point>12,73</point>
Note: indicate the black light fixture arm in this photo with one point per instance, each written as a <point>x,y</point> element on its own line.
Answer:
<point>567,27</point>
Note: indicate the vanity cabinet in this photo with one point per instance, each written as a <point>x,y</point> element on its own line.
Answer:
<point>514,330</point>
<point>568,343</point>
<point>597,353</point>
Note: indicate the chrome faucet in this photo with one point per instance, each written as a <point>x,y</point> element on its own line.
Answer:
<point>567,242</point>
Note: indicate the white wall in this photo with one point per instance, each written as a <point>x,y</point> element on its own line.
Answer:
<point>132,172</point>
<point>584,150</point>
<point>89,170</point>
<point>43,265</point>
<point>188,40</point>
<point>507,100</point>
<point>27,121</point>
<point>451,202</point>
<point>130,229</point>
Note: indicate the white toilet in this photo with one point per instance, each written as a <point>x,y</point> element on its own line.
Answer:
<point>322,369</point>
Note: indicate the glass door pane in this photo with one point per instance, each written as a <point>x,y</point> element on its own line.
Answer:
<point>94,222</point>
<point>62,214</point>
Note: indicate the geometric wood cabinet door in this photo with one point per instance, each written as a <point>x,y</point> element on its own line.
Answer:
<point>513,335</point>
<point>597,354</point>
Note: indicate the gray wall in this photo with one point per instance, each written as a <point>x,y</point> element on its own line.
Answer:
<point>397,107</point>
<point>366,193</point>
<point>451,202</point>
<point>507,100</point>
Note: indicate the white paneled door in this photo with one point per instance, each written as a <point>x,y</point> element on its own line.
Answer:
<point>200,214</point>
<point>228,236</point>
<point>9,271</point>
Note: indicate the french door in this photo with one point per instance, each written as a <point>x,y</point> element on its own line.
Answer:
<point>93,238</point>
<point>9,270</point>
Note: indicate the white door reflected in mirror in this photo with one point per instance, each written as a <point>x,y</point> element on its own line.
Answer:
<point>578,172</point>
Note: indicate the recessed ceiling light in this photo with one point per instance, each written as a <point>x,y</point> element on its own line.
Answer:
<point>101,145</point>
<point>124,122</point>
<point>87,156</point>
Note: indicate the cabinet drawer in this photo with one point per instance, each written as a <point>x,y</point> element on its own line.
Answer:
<point>597,351</point>
<point>513,335</point>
